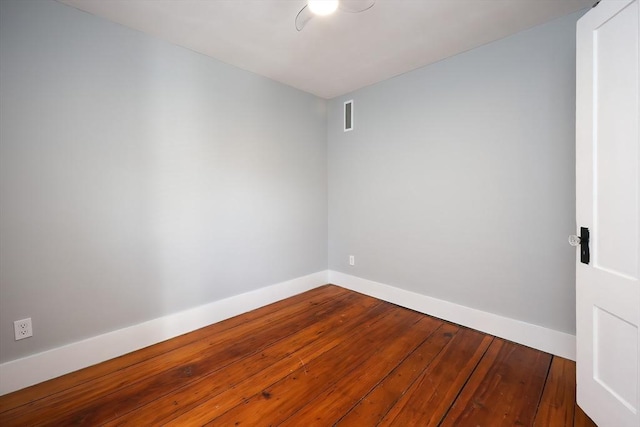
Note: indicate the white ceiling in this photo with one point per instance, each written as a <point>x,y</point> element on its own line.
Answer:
<point>336,54</point>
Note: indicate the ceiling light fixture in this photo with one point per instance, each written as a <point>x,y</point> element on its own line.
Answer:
<point>315,8</point>
<point>323,7</point>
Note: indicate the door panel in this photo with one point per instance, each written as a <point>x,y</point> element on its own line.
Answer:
<point>615,86</point>
<point>607,202</point>
<point>615,356</point>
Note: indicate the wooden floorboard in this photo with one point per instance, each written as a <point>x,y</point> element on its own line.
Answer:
<point>330,405</point>
<point>325,357</point>
<point>373,407</point>
<point>232,384</point>
<point>430,398</point>
<point>282,398</point>
<point>504,390</point>
<point>557,406</point>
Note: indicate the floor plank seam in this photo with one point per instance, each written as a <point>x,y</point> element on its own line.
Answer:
<point>546,378</point>
<point>455,399</point>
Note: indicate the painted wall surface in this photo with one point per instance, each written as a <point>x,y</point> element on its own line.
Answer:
<point>138,178</point>
<point>457,181</point>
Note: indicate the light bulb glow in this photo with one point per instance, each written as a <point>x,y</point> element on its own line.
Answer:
<point>323,7</point>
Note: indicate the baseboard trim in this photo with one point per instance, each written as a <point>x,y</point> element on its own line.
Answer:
<point>30,370</point>
<point>544,339</point>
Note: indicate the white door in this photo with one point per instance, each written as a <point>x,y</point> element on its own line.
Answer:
<point>608,204</point>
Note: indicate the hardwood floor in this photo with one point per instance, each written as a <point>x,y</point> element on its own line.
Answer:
<point>325,357</point>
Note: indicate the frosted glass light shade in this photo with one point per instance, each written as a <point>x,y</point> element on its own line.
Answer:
<point>323,7</point>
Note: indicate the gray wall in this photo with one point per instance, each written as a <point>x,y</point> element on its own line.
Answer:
<point>139,178</point>
<point>458,179</point>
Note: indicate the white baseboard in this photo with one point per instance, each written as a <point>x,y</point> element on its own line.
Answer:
<point>21,373</point>
<point>544,339</point>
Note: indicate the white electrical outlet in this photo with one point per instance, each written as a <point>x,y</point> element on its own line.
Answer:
<point>23,328</point>
<point>352,260</point>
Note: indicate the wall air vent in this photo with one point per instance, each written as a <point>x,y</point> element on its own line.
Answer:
<point>348,116</point>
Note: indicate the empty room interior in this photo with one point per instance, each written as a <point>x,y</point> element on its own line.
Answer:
<point>218,212</point>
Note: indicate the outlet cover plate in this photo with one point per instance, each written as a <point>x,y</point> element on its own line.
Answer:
<point>23,329</point>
